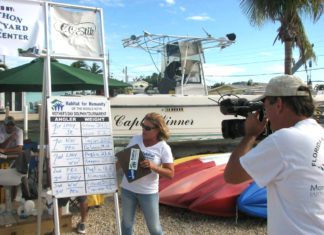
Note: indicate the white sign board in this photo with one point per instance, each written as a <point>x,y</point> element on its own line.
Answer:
<point>81,146</point>
<point>21,26</point>
<point>75,32</point>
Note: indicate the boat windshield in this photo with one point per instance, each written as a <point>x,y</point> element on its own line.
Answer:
<point>182,59</point>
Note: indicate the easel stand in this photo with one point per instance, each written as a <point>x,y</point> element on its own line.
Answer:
<point>57,221</point>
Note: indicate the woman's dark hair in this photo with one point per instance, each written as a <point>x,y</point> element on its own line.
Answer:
<point>301,105</point>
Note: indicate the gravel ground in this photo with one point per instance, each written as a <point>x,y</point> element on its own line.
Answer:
<point>174,221</point>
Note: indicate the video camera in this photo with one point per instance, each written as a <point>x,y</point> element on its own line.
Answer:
<point>233,128</point>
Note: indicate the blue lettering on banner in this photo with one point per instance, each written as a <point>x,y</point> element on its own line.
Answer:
<point>10,25</point>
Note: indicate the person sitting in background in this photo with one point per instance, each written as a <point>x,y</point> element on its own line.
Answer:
<point>11,136</point>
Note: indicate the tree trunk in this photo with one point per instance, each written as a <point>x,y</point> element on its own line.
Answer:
<point>288,57</point>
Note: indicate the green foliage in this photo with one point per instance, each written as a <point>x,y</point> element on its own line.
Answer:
<point>218,84</point>
<point>291,31</point>
<point>153,80</point>
<point>3,67</point>
<point>80,64</point>
<point>95,68</point>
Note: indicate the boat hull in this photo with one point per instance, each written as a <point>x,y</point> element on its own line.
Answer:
<point>192,116</point>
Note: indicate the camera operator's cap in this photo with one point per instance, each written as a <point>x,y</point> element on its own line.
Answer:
<point>285,85</point>
<point>9,120</point>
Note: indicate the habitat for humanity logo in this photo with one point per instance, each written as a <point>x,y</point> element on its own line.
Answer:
<point>57,105</point>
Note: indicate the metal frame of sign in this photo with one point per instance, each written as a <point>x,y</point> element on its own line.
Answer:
<point>46,93</point>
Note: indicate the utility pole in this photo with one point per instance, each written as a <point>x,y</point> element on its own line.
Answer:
<point>126,75</point>
<point>108,65</point>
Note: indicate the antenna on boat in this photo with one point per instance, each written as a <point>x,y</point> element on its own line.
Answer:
<point>208,35</point>
<point>157,42</point>
<point>182,58</point>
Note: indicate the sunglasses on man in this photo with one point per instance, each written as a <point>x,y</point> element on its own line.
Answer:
<point>147,128</point>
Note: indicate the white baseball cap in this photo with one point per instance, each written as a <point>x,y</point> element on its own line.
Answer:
<point>285,85</point>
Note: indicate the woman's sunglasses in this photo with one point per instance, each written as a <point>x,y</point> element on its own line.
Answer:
<point>147,128</point>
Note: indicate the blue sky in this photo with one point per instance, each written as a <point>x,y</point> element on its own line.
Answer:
<point>253,56</point>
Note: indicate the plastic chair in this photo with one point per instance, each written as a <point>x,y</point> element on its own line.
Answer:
<point>13,176</point>
<point>8,178</point>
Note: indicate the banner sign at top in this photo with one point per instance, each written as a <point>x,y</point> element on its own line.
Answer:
<point>21,27</point>
<point>75,33</point>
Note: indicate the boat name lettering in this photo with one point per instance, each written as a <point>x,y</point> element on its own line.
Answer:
<point>178,122</point>
<point>120,120</point>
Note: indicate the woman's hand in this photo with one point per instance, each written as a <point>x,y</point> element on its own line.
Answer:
<point>166,171</point>
<point>148,164</point>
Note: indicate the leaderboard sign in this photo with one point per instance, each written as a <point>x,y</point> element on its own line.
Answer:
<point>81,146</point>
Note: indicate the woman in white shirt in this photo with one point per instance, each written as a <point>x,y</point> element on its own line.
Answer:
<point>145,191</point>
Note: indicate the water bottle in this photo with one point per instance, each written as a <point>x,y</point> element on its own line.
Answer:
<point>8,200</point>
<point>23,209</point>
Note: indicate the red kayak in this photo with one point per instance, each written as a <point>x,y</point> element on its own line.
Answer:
<point>201,189</point>
<point>219,198</point>
<point>185,171</point>
<point>190,164</point>
<point>189,175</point>
<point>172,194</point>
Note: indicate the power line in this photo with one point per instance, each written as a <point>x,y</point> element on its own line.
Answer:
<point>260,74</point>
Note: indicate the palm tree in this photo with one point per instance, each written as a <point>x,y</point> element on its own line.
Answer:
<point>95,68</point>
<point>291,31</point>
<point>3,67</point>
<point>80,64</point>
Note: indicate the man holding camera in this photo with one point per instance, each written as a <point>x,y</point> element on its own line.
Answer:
<point>290,161</point>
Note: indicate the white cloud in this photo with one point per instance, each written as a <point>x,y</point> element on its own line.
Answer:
<point>217,71</point>
<point>266,53</point>
<point>203,17</point>
<point>182,9</point>
<point>144,69</point>
<point>109,3</point>
<point>170,2</point>
<point>275,68</point>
